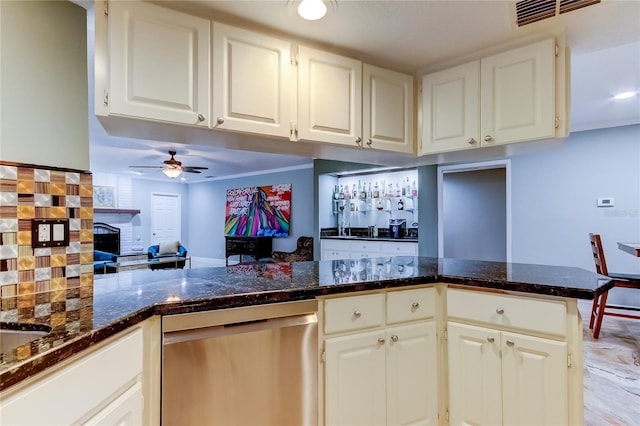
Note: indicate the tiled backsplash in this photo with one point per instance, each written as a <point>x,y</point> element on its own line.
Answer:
<point>52,286</point>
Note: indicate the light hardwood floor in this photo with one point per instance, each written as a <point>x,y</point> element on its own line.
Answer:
<point>611,371</point>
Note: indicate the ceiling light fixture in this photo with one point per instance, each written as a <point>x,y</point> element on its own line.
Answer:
<point>624,95</point>
<point>172,172</point>
<point>312,10</point>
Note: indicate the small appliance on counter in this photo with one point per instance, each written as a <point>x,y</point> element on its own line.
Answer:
<point>397,228</point>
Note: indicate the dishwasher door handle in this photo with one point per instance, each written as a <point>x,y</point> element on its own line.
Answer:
<point>172,337</point>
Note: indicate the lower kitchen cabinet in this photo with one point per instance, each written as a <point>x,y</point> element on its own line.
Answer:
<point>385,375</point>
<point>349,249</point>
<point>104,386</point>
<point>510,360</point>
<point>497,377</point>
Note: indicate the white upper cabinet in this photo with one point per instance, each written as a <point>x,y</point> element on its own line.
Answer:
<point>504,98</point>
<point>329,97</point>
<point>253,82</point>
<point>451,109</point>
<point>518,94</point>
<point>158,64</point>
<point>387,109</point>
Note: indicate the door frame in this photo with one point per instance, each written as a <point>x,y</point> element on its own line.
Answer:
<point>152,215</point>
<point>468,167</point>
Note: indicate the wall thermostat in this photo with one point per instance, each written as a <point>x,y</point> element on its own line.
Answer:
<point>49,233</point>
<point>606,202</point>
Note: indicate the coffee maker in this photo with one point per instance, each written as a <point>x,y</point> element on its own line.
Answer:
<point>397,228</point>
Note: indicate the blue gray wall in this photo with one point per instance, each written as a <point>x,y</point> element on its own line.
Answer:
<point>206,213</point>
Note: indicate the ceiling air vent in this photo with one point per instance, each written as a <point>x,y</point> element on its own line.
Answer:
<point>529,11</point>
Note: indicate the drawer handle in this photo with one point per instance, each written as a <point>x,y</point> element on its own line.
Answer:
<point>394,338</point>
<point>491,339</point>
<point>499,311</point>
<point>510,343</point>
<point>357,314</point>
<point>381,340</point>
<point>415,305</point>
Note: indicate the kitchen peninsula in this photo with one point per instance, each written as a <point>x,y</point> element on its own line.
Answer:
<point>531,298</point>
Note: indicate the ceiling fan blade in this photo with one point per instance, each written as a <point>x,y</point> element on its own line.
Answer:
<point>146,167</point>
<point>191,171</point>
<point>194,168</point>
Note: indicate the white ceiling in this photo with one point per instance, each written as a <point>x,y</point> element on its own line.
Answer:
<point>410,36</point>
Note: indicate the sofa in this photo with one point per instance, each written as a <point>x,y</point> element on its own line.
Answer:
<point>104,262</point>
<point>167,250</point>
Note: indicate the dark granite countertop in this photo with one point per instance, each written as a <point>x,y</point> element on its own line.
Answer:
<point>361,238</point>
<point>127,298</point>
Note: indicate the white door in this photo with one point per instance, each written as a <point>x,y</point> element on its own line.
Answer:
<point>252,81</point>
<point>474,211</point>
<point>475,384</point>
<point>387,109</point>
<point>412,371</point>
<point>166,221</point>
<point>329,98</point>
<point>534,380</point>
<point>355,380</point>
<point>518,94</point>
<point>159,63</point>
<point>451,109</point>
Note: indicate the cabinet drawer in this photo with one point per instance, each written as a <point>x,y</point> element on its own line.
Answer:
<point>409,305</point>
<point>545,316</point>
<point>365,246</point>
<point>353,313</point>
<point>399,249</point>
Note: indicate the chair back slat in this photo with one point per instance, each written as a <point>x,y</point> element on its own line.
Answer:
<point>598,254</point>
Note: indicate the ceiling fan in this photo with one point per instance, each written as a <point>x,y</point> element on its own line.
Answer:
<point>172,167</point>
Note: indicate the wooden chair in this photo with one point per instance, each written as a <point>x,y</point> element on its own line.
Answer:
<point>599,308</point>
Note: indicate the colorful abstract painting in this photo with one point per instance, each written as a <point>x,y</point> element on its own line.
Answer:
<point>259,211</point>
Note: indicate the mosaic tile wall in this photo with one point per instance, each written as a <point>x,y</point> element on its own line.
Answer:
<point>52,286</point>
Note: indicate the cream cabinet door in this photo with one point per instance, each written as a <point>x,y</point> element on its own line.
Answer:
<point>518,94</point>
<point>412,371</point>
<point>252,82</point>
<point>329,97</point>
<point>451,109</point>
<point>126,410</point>
<point>534,381</point>
<point>355,379</point>
<point>159,64</point>
<point>387,109</point>
<point>475,370</point>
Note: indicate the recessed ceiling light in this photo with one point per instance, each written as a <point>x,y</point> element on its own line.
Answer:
<point>624,95</point>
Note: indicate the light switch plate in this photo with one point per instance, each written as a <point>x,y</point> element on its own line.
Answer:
<point>49,233</point>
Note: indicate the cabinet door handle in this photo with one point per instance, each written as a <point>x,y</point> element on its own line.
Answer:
<point>357,314</point>
<point>510,343</point>
<point>201,117</point>
<point>415,305</point>
<point>381,340</point>
<point>220,120</point>
<point>394,338</point>
<point>488,138</point>
<point>491,339</point>
<point>358,140</point>
<point>499,311</point>
<point>369,142</point>
<point>471,141</point>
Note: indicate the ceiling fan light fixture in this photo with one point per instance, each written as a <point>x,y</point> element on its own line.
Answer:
<point>172,172</point>
<point>312,10</point>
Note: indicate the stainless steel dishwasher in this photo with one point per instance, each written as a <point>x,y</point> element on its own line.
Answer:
<point>244,366</point>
